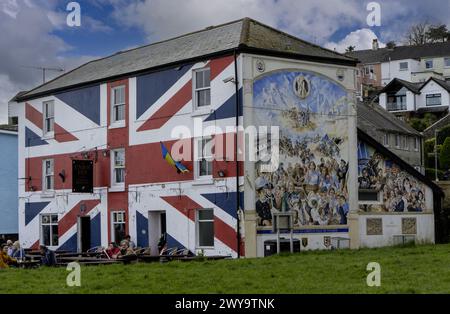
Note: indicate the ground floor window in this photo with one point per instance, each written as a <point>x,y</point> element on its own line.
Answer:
<point>205,228</point>
<point>118,226</point>
<point>49,230</point>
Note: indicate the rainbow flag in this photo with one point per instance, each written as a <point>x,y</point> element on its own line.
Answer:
<point>166,155</point>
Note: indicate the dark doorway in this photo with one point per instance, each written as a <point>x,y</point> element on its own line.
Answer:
<point>84,237</point>
<point>163,223</point>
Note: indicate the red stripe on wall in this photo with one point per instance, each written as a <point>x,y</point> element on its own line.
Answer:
<point>62,136</point>
<point>35,245</point>
<point>183,204</point>
<point>34,116</point>
<point>169,109</point>
<point>70,219</point>
<point>217,66</point>
<point>225,233</point>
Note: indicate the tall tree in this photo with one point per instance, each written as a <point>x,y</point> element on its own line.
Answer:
<point>350,48</point>
<point>438,33</point>
<point>391,45</point>
<point>418,34</point>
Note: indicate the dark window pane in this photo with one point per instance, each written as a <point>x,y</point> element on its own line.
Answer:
<point>206,215</point>
<point>206,234</point>
<point>46,235</point>
<point>368,196</point>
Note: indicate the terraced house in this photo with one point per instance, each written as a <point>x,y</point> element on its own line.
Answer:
<point>115,116</point>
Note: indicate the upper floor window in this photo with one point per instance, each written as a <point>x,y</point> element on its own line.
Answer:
<point>447,62</point>
<point>48,175</point>
<point>386,139</point>
<point>118,104</point>
<point>404,142</point>
<point>49,117</point>
<point>429,64</point>
<point>416,144</point>
<point>204,157</point>
<point>397,140</point>
<point>403,66</point>
<point>434,100</point>
<point>202,88</point>
<point>118,167</point>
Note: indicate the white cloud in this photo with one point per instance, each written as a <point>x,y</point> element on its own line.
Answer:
<point>361,39</point>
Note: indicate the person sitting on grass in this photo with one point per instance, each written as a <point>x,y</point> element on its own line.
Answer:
<point>5,259</point>
<point>18,252</point>
<point>131,244</point>
<point>113,251</point>
<point>48,257</point>
<point>9,243</point>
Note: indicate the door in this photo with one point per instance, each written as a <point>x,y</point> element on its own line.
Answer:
<point>84,234</point>
<point>157,226</point>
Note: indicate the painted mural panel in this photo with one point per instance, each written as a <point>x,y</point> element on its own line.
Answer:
<point>311,181</point>
<point>398,190</point>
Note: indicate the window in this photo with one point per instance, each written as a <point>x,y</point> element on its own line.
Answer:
<point>118,167</point>
<point>49,118</point>
<point>434,100</point>
<point>403,66</point>
<point>204,157</point>
<point>202,88</point>
<point>48,175</point>
<point>416,144</point>
<point>118,104</point>
<point>368,196</point>
<point>118,226</point>
<point>404,142</point>
<point>397,141</point>
<point>386,139</point>
<point>447,62</point>
<point>205,228</point>
<point>429,64</point>
<point>49,230</point>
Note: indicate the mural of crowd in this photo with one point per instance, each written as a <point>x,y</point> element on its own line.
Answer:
<point>311,181</point>
<point>400,191</point>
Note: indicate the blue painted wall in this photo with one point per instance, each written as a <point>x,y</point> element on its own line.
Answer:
<point>8,185</point>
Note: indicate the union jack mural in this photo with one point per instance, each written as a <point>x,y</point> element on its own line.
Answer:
<point>82,124</point>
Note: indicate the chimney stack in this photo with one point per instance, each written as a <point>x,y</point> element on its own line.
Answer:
<point>375,44</point>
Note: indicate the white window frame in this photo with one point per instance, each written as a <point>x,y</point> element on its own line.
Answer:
<point>433,96</point>
<point>114,104</point>
<point>397,141</point>
<point>48,132</point>
<point>115,215</point>
<point>197,228</point>
<point>195,89</point>
<point>402,68</point>
<point>416,144</point>
<point>198,158</point>
<point>432,64</point>
<point>119,186</point>
<point>45,188</point>
<point>50,224</point>
<point>404,142</point>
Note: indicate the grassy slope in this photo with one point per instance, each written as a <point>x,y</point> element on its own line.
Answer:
<point>424,269</point>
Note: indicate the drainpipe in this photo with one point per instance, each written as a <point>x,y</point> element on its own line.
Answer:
<point>238,199</point>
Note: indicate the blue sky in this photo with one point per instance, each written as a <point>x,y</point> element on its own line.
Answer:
<point>35,33</point>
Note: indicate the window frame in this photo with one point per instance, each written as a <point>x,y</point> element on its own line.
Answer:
<point>400,66</point>
<point>46,132</point>
<point>45,188</point>
<point>114,167</point>
<point>386,139</point>
<point>51,223</point>
<point>198,221</point>
<point>196,89</point>
<point>369,202</point>
<point>113,105</point>
<point>416,144</point>
<point>447,62</point>
<point>114,222</point>
<point>199,159</point>
<point>397,141</point>
<point>427,62</point>
<point>433,96</point>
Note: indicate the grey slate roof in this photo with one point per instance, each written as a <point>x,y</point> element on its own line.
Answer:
<point>402,52</point>
<point>241,34</point>
<point>374,117</point>
<point>413,87</point>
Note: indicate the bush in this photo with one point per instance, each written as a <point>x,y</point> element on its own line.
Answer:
<point>445,155</point>
<point>431,174</point>
<point>418,124</point>
<point>429,146</point>
<point>443,134</point>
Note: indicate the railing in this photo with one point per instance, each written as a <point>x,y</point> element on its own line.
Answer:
<point>395,107</point>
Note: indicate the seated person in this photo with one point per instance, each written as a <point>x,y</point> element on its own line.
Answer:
<point>125,248</point>
<point>113,251</point>
<point>131,244</point>
<point>48,257</point>
<point>18,252</point>
<point>5,260</point>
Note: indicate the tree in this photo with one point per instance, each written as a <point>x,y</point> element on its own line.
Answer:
<point>391,45</point>
<point>418,34</point>
<point>350,48</point>
<point>438,33</point>
<point>445,154</point>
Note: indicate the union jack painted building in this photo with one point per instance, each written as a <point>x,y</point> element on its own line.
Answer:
<point>118,110</point>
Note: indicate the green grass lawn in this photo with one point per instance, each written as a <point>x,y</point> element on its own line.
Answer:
<point>421,269</point>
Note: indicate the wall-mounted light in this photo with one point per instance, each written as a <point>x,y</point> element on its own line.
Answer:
<point>85,155</point>
<point>62,175</point>
<point>231,79</point>
<point>105,153</point>
<point>221,173</point>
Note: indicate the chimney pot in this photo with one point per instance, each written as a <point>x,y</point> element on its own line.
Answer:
<point>375,45</point>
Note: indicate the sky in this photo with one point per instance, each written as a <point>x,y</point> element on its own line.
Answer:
<point>34,33</point>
